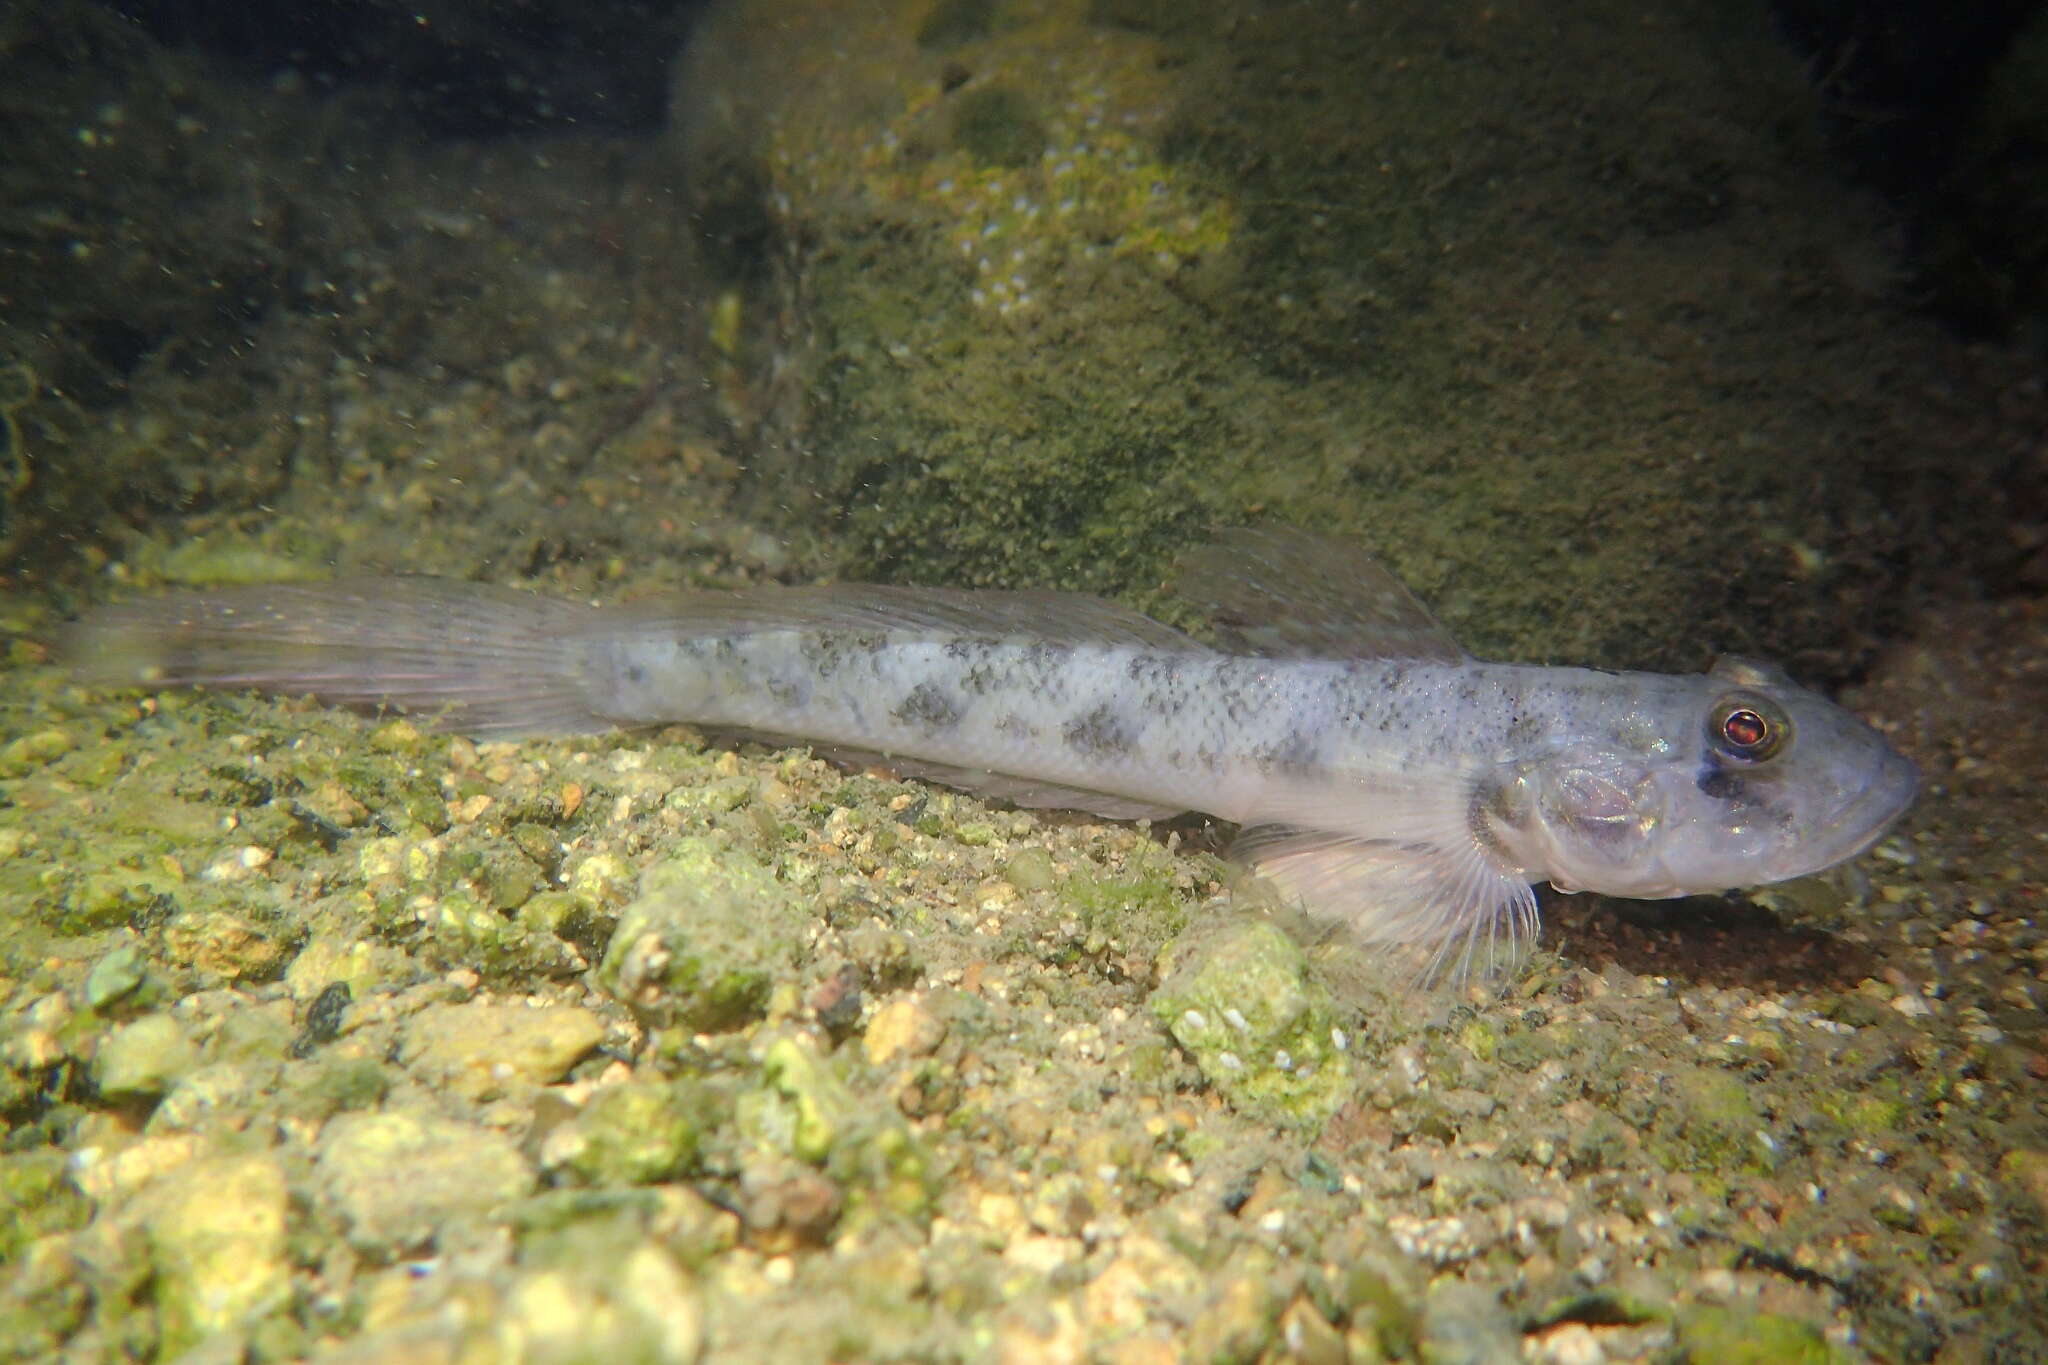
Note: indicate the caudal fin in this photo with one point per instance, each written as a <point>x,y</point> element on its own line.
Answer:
<point>481,660</point>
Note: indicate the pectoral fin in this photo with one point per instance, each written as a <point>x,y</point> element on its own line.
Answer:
<point>1448,904</point>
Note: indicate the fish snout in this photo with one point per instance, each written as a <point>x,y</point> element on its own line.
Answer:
<point>1867,808</point>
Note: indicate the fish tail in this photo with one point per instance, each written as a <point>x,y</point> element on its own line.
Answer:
<point>481,660</point>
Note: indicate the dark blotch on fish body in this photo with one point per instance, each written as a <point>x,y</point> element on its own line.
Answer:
<point>929,707</point>
<point>1100,731</point>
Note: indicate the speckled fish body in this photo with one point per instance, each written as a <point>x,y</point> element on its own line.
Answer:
<point>1102,727</point>
<point>1383,776</point>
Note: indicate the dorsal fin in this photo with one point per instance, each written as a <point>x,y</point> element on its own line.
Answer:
<point>1288,594</point>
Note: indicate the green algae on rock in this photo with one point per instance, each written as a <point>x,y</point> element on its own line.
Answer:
<point>633,1133</point>
<point>806,1109</point>
<point>217,1231</point>
<point>1076,281</point>
<point>709,934</point>
<point>479,1050</point>
<point>1726,1336</point>
<point>642,1307</point>
<point>144,1058</point>
<point>1240,997</point>
<point>398,1179</point>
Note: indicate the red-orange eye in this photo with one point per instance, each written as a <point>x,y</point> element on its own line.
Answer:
<point>1748,728</point>
<point>1744,729</point>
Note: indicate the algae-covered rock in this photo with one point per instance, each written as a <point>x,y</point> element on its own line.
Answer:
<point>1726,1336</point>
<point>224,945</point>
<point>905,1027</point>
<point>815,1108</point>
<point>327,959</point>
<point>110,897</point>
<point>1707,1124</point>
<point>143,1059</point>
<point>479,1049</point>
<point>333,1084</point>
<point>217,560</point>
<point>1031,869</point>
<point>1378,1293</point>
<point>1098,275</point>
<point>2027,1169</point>
<point>1243,1311</point>
<point>398,1179</point>
<point>115,975</point>
<point>33,751</point>
<point>1241,1001</point>
<point>807,1111</point>
<point>36,1198</point>
<point>608,1293</point>
<point>216,1230</point>
<point>572,1226</point>
<point>1464,1322</point>
<point>220,1094</point>
<point>641,1307</point>
<point>710,933</point>
<point>632,1134</point>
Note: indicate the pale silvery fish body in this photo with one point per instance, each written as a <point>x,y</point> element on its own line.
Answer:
<point>1141,727</point>
<point>1382,775</point>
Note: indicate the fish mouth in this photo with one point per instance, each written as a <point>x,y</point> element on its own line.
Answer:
<point>1866,817</point>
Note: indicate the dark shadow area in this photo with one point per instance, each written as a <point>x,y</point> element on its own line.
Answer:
<point>463,70</point>
<point>1718,941</point>
<point>1944,109</point>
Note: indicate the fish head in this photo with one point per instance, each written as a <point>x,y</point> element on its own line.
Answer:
<point>1736,778</point>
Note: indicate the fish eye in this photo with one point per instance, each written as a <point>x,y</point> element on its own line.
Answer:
<point>1748,728</point>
